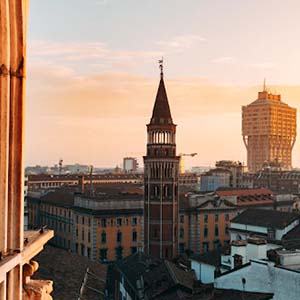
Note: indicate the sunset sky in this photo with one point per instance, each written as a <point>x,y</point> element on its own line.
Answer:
<point>92,74</point>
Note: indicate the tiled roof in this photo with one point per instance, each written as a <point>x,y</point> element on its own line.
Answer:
<point>68,271</point>
<point>291,240</point>
<point>243,192</point>
<point>212,258</point>
<point>159,276</point>
<point>59,197</point>
<point>265,218</point>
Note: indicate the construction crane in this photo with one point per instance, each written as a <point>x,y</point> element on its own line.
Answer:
<point>60,166</point>
<point>188,154</point>
<point>181,161</point>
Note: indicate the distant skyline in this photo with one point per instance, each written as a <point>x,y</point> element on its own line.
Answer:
<point>93,75</point>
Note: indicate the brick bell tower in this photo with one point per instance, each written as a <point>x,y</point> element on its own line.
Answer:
<point>161,169</point>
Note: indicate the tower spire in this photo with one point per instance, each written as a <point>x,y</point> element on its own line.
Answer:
<point>161,66</point>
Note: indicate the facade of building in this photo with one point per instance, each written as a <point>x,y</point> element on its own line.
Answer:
<point>101,227</point>
<point>214,179</point>
<point>141,276</point>
<point>269,131</point>
<point>206,226</point>
<point>270,225</point>
<point>281,280</point>
<point>236,169</point>
<point>263,250</point>
<point>282,182</point>
<point>161,173</point>
<point>47,182</point>
<point>130,165</point>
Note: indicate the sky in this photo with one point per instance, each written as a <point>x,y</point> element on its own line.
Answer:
<point>92,74</point>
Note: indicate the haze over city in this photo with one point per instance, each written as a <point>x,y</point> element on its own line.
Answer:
<point>92,74</point>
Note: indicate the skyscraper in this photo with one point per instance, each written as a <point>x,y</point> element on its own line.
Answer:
<point>269,131</point>
<point>161,180</point>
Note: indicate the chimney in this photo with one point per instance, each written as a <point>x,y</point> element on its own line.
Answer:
<point>256,248</point>
<point>237,261</point>
<point>81,183</point>
<point>238,253</point>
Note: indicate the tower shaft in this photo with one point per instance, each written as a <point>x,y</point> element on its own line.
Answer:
<point>161,171</point>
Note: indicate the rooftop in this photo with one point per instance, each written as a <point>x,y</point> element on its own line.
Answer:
<point>243,192</point>
<point>265,218</point>
<point>212,258</point>
<point>68,271</point>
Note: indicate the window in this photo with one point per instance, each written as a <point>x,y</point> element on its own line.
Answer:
<point>181,248</point>
<point>103,255</point>
<point>134,236</point>
<point>103,222</point>
<point>119,221</point>
<point>103,237</point>
<point>76,231</point>
<point>119,237</point>
<point>166,191</point>
<point>89,252</point>
<point>77,219</point>
<point>271,233</point>
<point>82,220</point>
<point>205,247</point>
<point>181,219</point>
<point>134,221</point>
<point>205,231</point>
<point>226,230</point>
<point>216,244</point>
<point>216,231</point>
<point>82,249</point>
<point>181,233</point>
<point>156,191</point>
<point>89,236</point>
<point>227,217</point>
<point>89,220</point>
<point>76,248</point>
<point>216,217</point>
<point>119,253</point>
<point>133,250</point>
<point>82,234</point>
<point>205,218</point>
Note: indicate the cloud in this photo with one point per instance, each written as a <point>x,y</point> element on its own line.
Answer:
<point>78,53</point>
<point>224,59</point>
<point>180,43</point>
<point>264,65</point>
<point>101,2</point>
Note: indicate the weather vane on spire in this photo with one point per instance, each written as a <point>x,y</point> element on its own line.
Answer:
<point>161,66</point>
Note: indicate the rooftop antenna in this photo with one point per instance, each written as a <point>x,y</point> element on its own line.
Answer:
<point>265,88</point>
<point>161,66</point>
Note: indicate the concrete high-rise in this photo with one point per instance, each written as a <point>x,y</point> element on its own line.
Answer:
<point>269,131</point>
<point>161,181</point>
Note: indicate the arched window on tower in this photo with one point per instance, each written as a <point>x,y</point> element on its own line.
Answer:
<point>167,191</point>
<point>156,191</point>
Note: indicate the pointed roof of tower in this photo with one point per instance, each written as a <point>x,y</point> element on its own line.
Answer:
<point>161,114</point>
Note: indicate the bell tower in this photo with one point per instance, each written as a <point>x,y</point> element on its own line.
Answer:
<point>161,168</point>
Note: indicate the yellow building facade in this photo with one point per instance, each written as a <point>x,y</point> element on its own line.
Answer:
<point>269,131</point>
